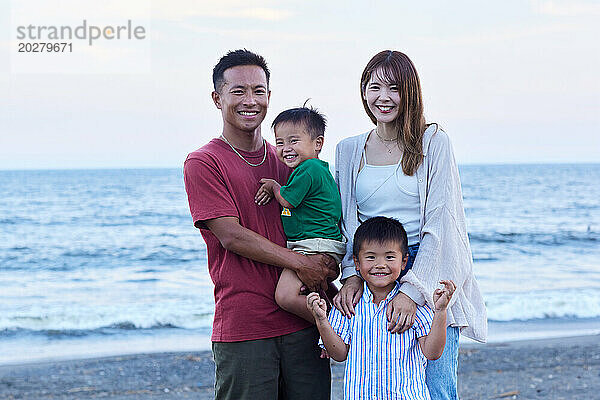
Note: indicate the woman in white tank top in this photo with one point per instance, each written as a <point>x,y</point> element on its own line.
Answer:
<point>405,169</point>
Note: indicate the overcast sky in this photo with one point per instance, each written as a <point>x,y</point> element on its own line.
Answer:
<point>510,81</point>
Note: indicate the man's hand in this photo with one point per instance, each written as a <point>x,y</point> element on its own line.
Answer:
<point>349,295</point>
<point>317,270</point>
<point>313,270</point>
<point>401,313</point>
<point>265,192</point>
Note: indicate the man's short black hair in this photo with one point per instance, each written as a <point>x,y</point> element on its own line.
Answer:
<point>233,59</point>
<point>310,117</point>
<point>380,230</point>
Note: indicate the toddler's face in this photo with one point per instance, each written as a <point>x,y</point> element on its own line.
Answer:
<point>380,264</point>
<point>294,144</point>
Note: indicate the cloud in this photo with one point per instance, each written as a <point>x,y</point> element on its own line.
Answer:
<point>68,11</point>
<point>65,11</point>
<point>265,35</point>
<point>268,14</point>
<point>183,9</point>
<point>504,35</point>
<point>566,8</point>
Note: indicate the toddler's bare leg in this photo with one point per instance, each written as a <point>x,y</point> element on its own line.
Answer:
<point>288,297</point>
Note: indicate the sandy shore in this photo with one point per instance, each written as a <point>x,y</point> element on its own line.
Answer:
<point>562,368</point>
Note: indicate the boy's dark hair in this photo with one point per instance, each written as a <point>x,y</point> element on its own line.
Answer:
<point>380,230</point>
<point>233,59</point>
<point>310,117</point>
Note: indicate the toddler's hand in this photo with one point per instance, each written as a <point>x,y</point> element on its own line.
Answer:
<point>317,306</point>
<point>265,192</point>
<point>441,297</point>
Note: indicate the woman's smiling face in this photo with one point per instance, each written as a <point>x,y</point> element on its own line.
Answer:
<point>383,98</point>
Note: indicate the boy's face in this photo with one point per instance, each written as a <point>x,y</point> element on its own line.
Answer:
<point>294,144</point>
<point>380,264</point>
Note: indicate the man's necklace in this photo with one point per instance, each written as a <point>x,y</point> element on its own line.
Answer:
<point>384,141</point>
<point>242,157</point>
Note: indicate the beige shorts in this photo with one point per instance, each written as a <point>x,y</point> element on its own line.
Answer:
<point>333,248</point>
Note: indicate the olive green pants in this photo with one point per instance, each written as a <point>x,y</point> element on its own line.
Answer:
<point>285,367</point>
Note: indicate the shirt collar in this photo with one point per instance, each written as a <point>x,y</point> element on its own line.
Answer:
<point>368,295</point>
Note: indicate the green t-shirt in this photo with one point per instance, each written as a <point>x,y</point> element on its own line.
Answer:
<point>317,205</point>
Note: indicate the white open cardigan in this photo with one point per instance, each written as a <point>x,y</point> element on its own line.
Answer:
<point>444,251</point>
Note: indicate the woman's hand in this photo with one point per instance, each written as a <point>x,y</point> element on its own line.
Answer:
<point>349,295</point>
<point>401,313</point>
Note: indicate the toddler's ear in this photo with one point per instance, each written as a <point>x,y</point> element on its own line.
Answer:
<point>319,143</point>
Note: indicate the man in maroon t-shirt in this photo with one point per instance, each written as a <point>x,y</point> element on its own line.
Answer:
<point>260,350</point>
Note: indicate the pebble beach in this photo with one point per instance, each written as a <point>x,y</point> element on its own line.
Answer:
<point>559,368</point>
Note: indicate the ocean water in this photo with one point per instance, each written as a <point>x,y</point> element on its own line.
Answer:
<point>93,260</point>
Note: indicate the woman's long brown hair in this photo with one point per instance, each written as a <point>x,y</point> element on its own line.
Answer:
<point>396,68</point>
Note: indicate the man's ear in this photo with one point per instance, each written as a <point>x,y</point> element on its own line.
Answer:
<point>216,99</point>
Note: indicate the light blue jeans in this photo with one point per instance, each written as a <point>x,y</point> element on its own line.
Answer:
<point>440,374</point>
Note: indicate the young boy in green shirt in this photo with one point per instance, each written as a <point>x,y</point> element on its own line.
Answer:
<point>311,202</point>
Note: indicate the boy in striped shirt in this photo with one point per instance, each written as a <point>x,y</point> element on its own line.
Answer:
<point>382,365</point>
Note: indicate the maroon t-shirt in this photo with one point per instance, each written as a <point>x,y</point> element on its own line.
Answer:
<point>219,184</point>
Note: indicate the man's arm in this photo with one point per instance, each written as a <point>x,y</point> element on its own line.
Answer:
<point>313,271</point>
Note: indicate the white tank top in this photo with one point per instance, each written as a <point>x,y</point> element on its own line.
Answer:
<point>384,190</point>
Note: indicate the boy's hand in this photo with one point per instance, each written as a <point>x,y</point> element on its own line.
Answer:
<point>317,306</point>
<point>265,192</point>
<point>441,297</point>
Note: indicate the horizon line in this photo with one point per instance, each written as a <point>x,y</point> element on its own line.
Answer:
<point>500,163</point>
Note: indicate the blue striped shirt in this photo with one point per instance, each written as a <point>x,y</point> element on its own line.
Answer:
<point>381,365</point>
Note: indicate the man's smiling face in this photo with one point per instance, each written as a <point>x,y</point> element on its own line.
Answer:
<point>243,98</point>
